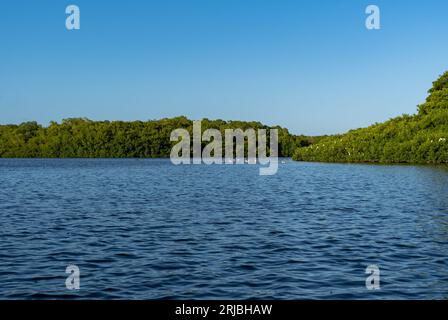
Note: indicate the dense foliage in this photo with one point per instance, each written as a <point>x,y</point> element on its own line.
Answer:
<point>79,137</point>
<point>419,138</point>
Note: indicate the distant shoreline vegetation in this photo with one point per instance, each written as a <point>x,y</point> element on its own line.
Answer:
<point>421,138</point>
<point>414,139</point>
<point>84,138</point>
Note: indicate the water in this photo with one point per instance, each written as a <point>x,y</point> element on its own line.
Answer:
<point>146,229</point>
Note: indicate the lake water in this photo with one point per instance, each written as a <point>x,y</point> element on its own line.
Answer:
<point>146,229</point>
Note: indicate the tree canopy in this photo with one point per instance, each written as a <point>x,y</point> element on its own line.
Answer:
<point>84,138</point>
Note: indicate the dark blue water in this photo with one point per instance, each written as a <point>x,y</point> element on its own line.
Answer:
<point>146,229</point>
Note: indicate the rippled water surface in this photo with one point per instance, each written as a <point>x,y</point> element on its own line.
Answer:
<point>146,229</point>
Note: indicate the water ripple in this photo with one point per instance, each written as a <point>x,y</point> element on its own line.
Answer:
<point>145,229</point>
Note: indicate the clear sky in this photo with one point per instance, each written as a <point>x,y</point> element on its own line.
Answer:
<point>310,66</point>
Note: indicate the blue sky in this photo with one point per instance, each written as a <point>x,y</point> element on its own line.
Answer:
<point>310,66</point>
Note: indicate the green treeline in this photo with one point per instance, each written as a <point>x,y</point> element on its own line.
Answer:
<point>419,138</point>
<point>83,138</point>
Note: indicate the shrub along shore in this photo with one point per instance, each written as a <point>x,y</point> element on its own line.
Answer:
<point>419,138</point>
